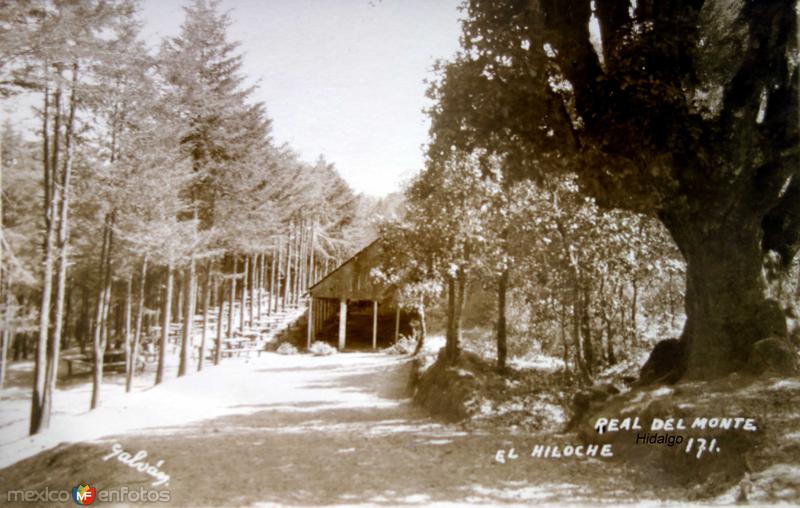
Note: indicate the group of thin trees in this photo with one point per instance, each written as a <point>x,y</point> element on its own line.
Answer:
<point>150,193</point>
<point>555,272</point>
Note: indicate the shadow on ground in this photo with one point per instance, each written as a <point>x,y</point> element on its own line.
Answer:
<point>328,451</point>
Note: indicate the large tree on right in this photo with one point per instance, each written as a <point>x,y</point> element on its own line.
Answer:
<point>682,110</point>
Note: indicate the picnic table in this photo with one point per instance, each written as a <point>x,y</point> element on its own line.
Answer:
<point>113,361</point>
<point>238,346</point>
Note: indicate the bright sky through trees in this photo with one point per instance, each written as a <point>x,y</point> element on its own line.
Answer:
<point>341,78</point>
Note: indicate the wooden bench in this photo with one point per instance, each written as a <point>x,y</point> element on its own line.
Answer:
<point>230,352</point>
<point>113,361</point>
<point>80,361</point>
<point>88,362</point>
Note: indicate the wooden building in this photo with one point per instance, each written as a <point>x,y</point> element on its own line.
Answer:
<point>352,287</point>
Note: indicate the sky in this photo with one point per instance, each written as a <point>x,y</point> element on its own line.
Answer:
<point>341,78</point>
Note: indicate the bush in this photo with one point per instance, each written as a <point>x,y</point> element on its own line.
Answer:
<point>320,348</point>
<point>403,346</point>
<point>286,349</point>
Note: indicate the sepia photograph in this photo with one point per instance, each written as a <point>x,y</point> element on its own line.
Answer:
<point>399,253</point>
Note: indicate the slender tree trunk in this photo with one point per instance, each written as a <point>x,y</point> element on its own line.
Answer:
<point>502,348</point>
<point>311,262</point>
<point>253,282</point>
<point>461,298</point>
<point>106,311</point>
<point>165,322</point>
<point>576,330</point>
<point>3,274</point>
<point>243,301</point>
<point>287,284</point>
<point>586,330</point>
<point>206,298</point>
<point>260,259</point>
<point>634,304</point>
<point>69,325</point>
<point>177,310</point>
<point>273,294</point>
<point>38,419</point>
<point>138,332</point>
<point>611,357</point>
<point>451,340</point>
<point>6,334</point>
<point>188,318</point>
<point>301,263</point>
<point>298,266</point>
<point>220,317</point>
<point>62,239</point>
<point>563,327</point>
<point>127,327</point>
<point>100,340</point>
<point>232,299</point>
<point>83,328</point>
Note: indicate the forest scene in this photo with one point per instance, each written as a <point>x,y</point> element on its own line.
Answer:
<point>580,288</point>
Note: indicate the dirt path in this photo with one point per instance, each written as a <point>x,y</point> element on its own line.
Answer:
<point>311,431</point>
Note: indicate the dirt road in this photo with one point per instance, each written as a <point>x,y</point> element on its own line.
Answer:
<point>302,430</point>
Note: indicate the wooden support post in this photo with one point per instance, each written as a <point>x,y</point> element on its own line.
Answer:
<point>397,324</point>
<point>313,302</point>
<point>318,317</point>
<point>310,323</point>
<point>374,324</point>
<point>342,323</point>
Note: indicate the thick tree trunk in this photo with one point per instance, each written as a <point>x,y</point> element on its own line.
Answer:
<point>502,347</point>
<point>423,326</point>
<point>456,296</point>
<point>137,334</point>
<point>165,322</point>
<point>727,309</point>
